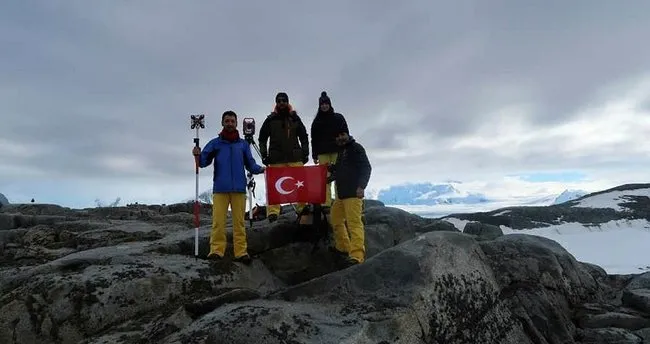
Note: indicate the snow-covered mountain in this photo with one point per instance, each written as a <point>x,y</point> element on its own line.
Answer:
<point>439,199</point>
<point>569,195</point>
<point>428,194</point>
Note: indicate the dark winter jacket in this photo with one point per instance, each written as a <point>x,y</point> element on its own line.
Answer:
<point>230,160</point>
<point>324,129</point>
<point>287,139</point>
<point>351,170</point>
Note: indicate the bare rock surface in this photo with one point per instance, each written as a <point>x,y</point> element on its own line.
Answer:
<point>129,275</point>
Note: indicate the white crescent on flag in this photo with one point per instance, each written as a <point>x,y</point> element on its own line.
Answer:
<point>278,186</point>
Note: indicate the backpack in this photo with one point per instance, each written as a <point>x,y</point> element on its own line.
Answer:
<point>259,213</point>
<point>314,226</point>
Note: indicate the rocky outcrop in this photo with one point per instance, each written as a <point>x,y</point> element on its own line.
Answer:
<point>128,275</point>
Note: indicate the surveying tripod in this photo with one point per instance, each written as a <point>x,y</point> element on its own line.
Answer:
<point>249,132</point>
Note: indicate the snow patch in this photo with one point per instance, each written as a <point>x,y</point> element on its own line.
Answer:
<point>619,247</point>
<point>610,199</point>
<point>458,223</point>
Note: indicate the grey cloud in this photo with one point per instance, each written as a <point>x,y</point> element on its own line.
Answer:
<point>557,61</point>
<point>93,80</point>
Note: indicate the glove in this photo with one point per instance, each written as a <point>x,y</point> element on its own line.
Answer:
<point>265,160</point>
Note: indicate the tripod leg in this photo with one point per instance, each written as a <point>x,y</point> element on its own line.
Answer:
<point>257,149</point>
<point>250,202</point>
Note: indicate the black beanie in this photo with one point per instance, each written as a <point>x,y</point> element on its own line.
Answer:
<point>324,99</point>
<point>281,95</point>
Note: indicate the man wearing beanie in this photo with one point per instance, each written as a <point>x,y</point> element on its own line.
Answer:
<point>326,126</point>
<point>287,140</point>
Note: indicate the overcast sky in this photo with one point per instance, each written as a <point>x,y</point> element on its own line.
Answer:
<point>95,96</point>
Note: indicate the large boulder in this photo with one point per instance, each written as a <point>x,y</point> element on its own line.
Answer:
<point>542,283</point>
<point>437,288</point>
<point>482,231</point>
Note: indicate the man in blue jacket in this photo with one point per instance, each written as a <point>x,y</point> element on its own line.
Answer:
<point>231,155</point>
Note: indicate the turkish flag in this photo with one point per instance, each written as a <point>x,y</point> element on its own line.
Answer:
<point>300,184</point>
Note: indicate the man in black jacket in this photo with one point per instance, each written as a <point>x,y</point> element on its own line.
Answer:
<point>352,174</point>
<point>324,129</point>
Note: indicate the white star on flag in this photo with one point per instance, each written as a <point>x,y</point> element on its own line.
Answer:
<point>300,184</point>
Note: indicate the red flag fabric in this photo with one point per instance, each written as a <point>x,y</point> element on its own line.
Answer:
<point>295,184</point>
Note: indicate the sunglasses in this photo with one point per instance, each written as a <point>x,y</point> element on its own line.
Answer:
<point>281,100</point>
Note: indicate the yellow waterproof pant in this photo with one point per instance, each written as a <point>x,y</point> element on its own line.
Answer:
<point>348,229</point>
<point>324,159</point>
<point>275,208</point>
<point>220,203</point>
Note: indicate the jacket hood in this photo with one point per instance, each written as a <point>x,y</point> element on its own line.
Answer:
<point>289,109</point>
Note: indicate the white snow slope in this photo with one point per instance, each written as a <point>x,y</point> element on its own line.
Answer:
<point>611,199</point>
<point>619,247</point>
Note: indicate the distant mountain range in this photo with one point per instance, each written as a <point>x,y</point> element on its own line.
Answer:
<point>448,194</point>
<point>428,194</point>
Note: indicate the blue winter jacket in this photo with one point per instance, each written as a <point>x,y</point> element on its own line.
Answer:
<point>230,160</point>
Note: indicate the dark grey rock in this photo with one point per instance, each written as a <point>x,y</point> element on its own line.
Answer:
<point>609,335</point>
<point>641,281</point>
<point>543,280</point>
<point>483,231</point>
<point>405,294</point>
<point>615,319</point>
<point>638,299</point>
<point>644,334</point>
<point>129,275</point>
<point>370,203</point>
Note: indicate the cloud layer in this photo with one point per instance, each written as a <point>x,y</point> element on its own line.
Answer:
<point>98,94</point>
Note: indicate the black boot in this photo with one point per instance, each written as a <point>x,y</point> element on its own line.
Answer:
<point>246,259</point>
<point>349,261</point>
